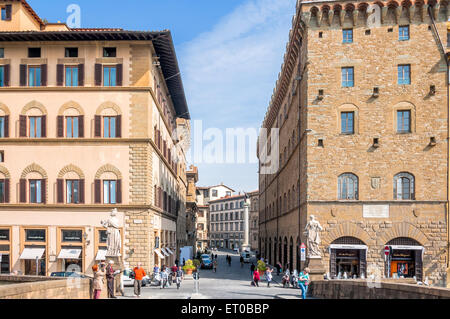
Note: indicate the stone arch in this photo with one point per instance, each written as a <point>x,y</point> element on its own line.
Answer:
<point>5,109</point>
<point>402,229</point>
<point>71,168</point>
<point>108,168</point>
<point>5,172</point>
<point>34,105</point>
<point>34,168</point>
<point>70,105</point>
<point>108,105</point>
<point>347,229</point>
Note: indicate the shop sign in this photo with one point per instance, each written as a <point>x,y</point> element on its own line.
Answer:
<point>4,234</point>
<point>35,235</point>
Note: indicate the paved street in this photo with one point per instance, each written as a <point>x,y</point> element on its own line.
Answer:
<point>228,283</point>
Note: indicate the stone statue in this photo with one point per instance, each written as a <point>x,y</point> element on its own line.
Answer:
<point>312,231</point>
<point>114,240</point>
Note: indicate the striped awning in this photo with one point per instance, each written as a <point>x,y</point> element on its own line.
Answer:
<point>159,253</point>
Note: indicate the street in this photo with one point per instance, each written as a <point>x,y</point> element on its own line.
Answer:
<point>228,283</point>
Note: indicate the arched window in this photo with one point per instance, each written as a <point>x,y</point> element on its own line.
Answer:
<point>348,186</point>
<point>404,186</point>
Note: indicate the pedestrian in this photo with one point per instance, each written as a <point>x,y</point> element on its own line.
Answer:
<point>216,256</point>
<point>179,277</point>
<point>215,265</point>
<point>256,278</point>
<point>278,268</point>
<point>269,276</point>
<point>163,277</point>
<point>252,269</point>
<point>139,274</point>
<point>169,277</point>
<point>156,269</point>
<point>303,282</point>
<point>242,262</point>
<point>184,262</point>
<point>110,279</point>
<point>177,262</point>
<point>98,283</point>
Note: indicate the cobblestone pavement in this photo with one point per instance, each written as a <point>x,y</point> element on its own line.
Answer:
<point>228,283</point>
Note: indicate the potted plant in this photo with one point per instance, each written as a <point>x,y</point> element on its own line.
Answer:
<point>261,267</point>
<point>189,267</point>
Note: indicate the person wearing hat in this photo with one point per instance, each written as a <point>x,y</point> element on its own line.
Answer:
<point>110,279</point>
<point>99,274</point>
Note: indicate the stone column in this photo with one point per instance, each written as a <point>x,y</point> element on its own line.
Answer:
<point>246,245</point>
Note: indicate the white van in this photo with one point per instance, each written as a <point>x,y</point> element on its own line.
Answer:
<point>246,256</point>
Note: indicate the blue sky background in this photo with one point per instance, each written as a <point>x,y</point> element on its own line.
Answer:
<point>230,53</point>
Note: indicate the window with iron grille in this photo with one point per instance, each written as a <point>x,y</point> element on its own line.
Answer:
<point>404,186</point>
<point>403,241</point>
<point>348,241</point>
<point>348,187</point>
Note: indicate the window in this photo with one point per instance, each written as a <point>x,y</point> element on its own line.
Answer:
<point>2,76</point>
<point>110,76</point>
<point>347,123</point>
<point>228,193</point>
<point>109,192</point>
<point>2,191</point>
<point>72,236</point>
<point>71,75</point>
<point>231,205</point>
<point>404,186</point>
<point>73,191</point>
<point>72,127</point>
<point>241,204</point>
<point>404,121</point>
<point>404,74</point>
<point>34,52</point>
<point>109,52</point>
<point>347,35</point>
<point>34,76</point>
<point>35,235</point>
<point>214,193</point>
<point>36,191</point>
<point>6,12</point>
<point>109,126</point>
<point>2,156</point>
<point>347,77</point>
<point>348,187</point>
<point>71,53</point>
<point>3,14</point>
<point>2,126</point>
<point>403,33</point>
<point>35,126</point>
<point>226,206</point>
<point>2,53</point>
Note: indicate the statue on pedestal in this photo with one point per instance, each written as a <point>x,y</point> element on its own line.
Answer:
<point>114,242</point>
<point>312,231</point>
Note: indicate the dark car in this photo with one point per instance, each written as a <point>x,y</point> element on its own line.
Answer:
<point>66,274</point>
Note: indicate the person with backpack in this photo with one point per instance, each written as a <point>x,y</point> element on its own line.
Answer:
<point>303,282</point>
<point>179,277</point>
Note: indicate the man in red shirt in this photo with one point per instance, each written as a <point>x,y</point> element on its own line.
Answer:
<point>139,274</point>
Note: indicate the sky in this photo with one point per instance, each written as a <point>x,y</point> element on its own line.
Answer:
<point>229,51</point>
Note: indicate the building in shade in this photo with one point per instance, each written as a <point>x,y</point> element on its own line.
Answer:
<point>254,221</point>
<point>86,122</point>
<point>362,111</point>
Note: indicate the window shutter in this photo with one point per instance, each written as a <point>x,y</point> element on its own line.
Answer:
<point>7,183</point>
<point>98,191</point>
<point>44,74</point>
<point>119,126</point>
<point>98,126</point>
<point>81,126</point>
<point>81,75</point>
<point>8,8</point>
<point>98,74</point>
<point>44,126</point>
<point>119,74</point>
<point>7,75</point>
<point>6,128</point>
<point>60,124</point>
<point>119,192</point>
<point>60,74</point>
<point>82,183</point>
<point>23,75</point>
<point>60,191</point>
<point>43,192</point>
<point>23,126</point>
<point>23,190</point>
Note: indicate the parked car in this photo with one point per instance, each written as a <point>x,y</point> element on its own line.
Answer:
<point>128,281</point>
<point>206,262</point>
<point>246,255</point>
<point>67,274</point>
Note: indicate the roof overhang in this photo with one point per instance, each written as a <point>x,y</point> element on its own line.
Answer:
<point>162,42</point>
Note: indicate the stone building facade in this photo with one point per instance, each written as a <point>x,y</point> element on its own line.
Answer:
<point>254,220</point>
<point>361,108</point>
<point>86,123</point>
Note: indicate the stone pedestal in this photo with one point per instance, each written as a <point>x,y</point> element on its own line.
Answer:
<point>317,270</point>
<point>118,265</point>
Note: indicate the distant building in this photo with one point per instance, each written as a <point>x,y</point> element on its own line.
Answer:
<point>254,220</point>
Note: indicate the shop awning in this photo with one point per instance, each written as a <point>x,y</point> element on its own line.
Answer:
<point>169,251</point>
<point>69,253</point>
<point>355,247</point>
<point>101,255</point>
<point>159,253</point>
<point>164,251</point>
<point>32,253</point>
<point>400,247</point>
